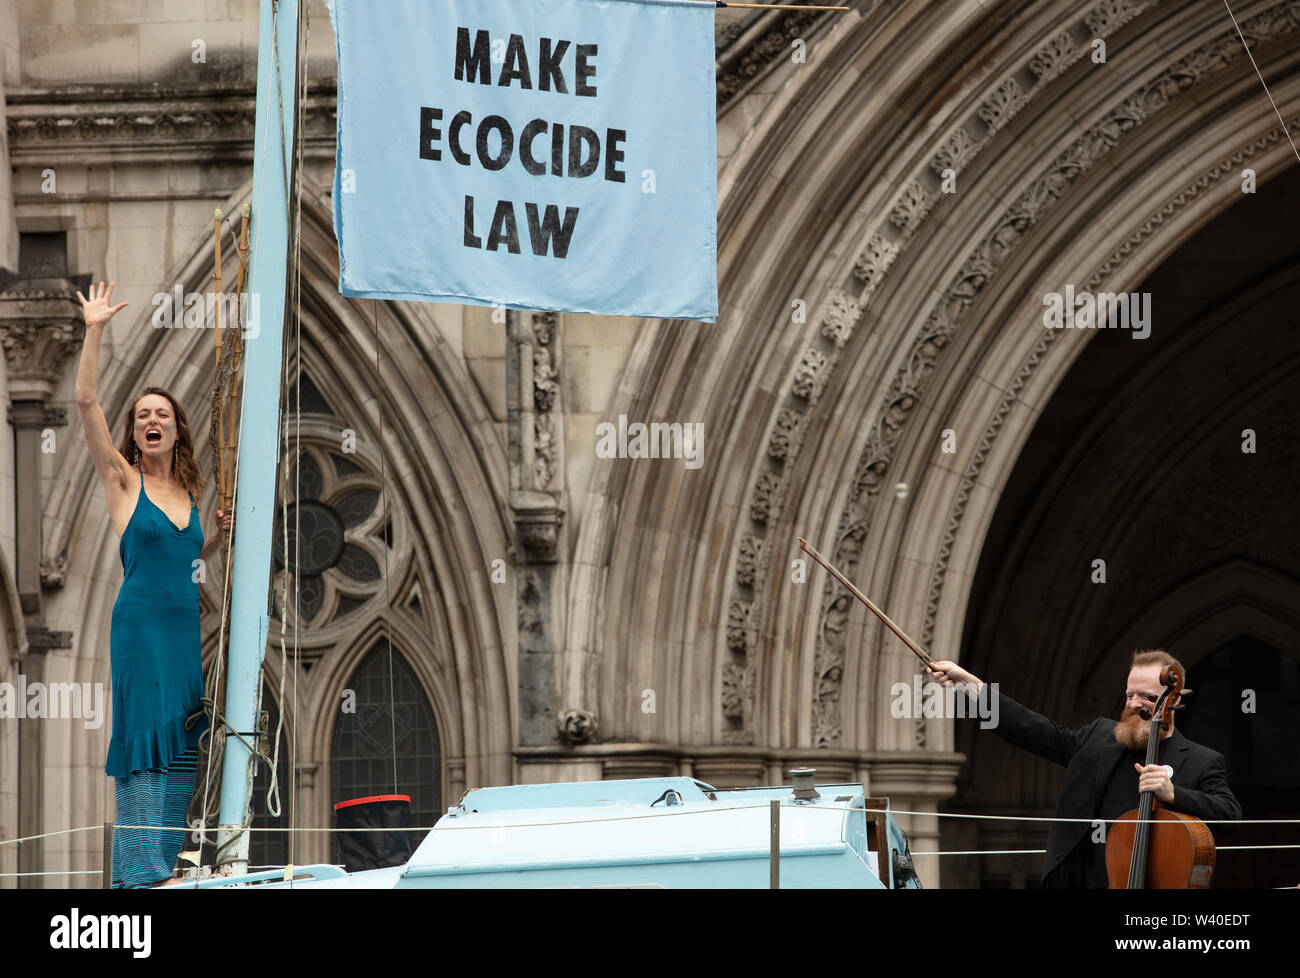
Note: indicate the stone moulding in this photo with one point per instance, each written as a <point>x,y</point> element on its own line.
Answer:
<point>77,123</point>
<point>759,43</point>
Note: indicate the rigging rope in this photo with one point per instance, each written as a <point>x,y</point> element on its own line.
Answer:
<point>226,370</point>
<point>383,489</point>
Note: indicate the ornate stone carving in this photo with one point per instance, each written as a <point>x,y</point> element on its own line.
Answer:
<point>741,65</point>
<point>751,549</point>
<point>577,726</point>
<point>828,656</point>
<point>738,737</point>
<point>38,334</point>
<point>955,152</point>
<point>538,527</point>
<point>725,36</point>
<point>1054,57</point>
<point>839,317</point>
<point>911,207</point>
<point>54,570</point>
<point>760,506</point>
<point>546,396</point>
<point>785,436</point>
<point>808,375</point>
<point>733,690</point>
<point>740,637</point>
<point>545,372</point>
<point>1002,105</point>
<point>874,261</point>
<point>1110,15</point>
<point>544,446</point>
<point>1048,62</point>
<point>737,702</point>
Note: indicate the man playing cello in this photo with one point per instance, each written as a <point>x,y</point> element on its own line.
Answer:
<point>1104,768</point>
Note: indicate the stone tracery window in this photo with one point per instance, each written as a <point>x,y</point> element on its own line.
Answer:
<point>390,718</point>
<point>334,501</point>
<point>340,552</point>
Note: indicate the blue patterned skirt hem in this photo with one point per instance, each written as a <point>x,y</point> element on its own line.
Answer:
<point>145,857</point>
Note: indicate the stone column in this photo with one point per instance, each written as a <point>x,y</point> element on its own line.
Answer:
<point>917,781</point>
<point>10,76</point>
<point>313,847</point>
<point>535,427</point>
<point>39,327</point>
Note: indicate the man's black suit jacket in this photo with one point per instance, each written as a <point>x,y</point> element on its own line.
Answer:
<point>1090,755</point>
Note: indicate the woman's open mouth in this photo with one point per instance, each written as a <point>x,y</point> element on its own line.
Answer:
<point>153,437</point>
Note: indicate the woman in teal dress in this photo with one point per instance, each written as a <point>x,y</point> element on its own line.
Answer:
<point>152,484</point>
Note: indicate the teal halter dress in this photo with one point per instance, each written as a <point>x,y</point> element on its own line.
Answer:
<point>157,685</point>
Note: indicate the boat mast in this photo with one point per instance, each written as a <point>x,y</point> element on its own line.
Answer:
<point>273,152</point>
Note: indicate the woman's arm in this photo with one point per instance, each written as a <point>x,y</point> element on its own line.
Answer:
<point>108,461</point>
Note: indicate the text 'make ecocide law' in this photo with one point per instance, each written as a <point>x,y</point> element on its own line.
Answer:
<point>573,151</point>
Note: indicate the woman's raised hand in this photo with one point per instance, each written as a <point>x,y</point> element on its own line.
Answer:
<point>97,310</point>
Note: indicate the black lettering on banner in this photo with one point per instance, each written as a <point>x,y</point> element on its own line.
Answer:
<point>428,134</point>
<point>557,150</point>
<point>582,71</point>
<point>458,122</point>
<point>530,162</point>
<point>548,68</point>
<point>478,61</point>
<point>548,228</point>
<point>472,240</point>
<point>548,233</point>
<point>504,228</point>
<point>614,155</point>
<point>516,65</point>
<point>507,144</point>
<point>578,167</point>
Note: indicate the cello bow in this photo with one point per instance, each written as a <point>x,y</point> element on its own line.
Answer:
<point>921,654</point>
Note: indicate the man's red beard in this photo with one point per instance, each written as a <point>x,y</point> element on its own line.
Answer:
<point>1132,731</point>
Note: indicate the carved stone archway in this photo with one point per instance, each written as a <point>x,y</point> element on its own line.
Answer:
<point>923,313</point>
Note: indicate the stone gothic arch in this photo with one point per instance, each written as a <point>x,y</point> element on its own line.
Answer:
<point>923,308</point>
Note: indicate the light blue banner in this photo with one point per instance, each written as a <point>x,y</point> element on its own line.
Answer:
<point>535,154</point>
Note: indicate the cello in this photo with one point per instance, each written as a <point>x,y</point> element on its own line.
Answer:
<point>1150,847</point>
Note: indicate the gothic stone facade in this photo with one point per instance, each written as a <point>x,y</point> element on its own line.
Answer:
<point>898,186</point>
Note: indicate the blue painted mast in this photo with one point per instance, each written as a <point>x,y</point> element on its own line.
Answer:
<point>273,152</point>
